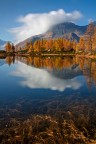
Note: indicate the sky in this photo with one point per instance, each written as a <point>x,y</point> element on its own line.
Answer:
<point>20,19</point>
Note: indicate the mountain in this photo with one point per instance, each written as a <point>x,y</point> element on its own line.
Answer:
<point>67,73</point>
<point>66,30</point>
<point>2,43</point>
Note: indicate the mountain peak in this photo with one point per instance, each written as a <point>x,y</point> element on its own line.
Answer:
<point>66,30</point>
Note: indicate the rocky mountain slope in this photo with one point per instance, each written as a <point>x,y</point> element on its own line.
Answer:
<point>67,30</point>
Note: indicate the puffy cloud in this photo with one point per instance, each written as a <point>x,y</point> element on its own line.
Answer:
<point>34,24</point>
<point>41,78</point>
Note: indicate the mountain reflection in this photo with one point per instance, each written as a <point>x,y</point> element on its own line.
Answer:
<point>65,67</point>
<point>54,68</point>
<point>42,78</point>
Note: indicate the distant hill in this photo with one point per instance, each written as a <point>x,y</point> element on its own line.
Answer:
<point>2,43</point>
<point>67,30</point>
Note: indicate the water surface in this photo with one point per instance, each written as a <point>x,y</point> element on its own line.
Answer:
<point>63,88</point>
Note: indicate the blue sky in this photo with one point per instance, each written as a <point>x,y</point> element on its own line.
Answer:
<point>10,10</point>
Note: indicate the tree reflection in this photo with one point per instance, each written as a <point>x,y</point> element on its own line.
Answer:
<point>10,60</point>
<point>87,66</point>
<point>48,62</point>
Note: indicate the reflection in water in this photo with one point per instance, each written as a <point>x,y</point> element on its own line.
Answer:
<point>10,60</point>
<point>41,78</point>
<point>65,67</point>
<point>54,103</point>
<point>48,62</point>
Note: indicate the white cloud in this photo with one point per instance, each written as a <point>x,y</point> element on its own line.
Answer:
<point>41,78</point>
<point>34,24</point>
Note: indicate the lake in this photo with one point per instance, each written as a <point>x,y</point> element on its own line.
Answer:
<point>47,100</point>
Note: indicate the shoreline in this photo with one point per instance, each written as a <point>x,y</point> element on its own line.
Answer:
<point>42,54</point>
<point>45,54</point>
<point>4,55</point>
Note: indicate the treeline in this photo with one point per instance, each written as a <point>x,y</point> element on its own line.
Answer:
<point>86,44</point>
<point>51,45</point>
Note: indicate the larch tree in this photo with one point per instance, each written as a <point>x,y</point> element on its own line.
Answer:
<point>35,45</point>
<point>13,48</point>
<point>88,37</point>
<point>47,45</point>
<point>74,45</point>
<point>31,47</point>
<point>8,47</point>
<point>94,41</point>
<point>27,46</point>
<point>81,45</point>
